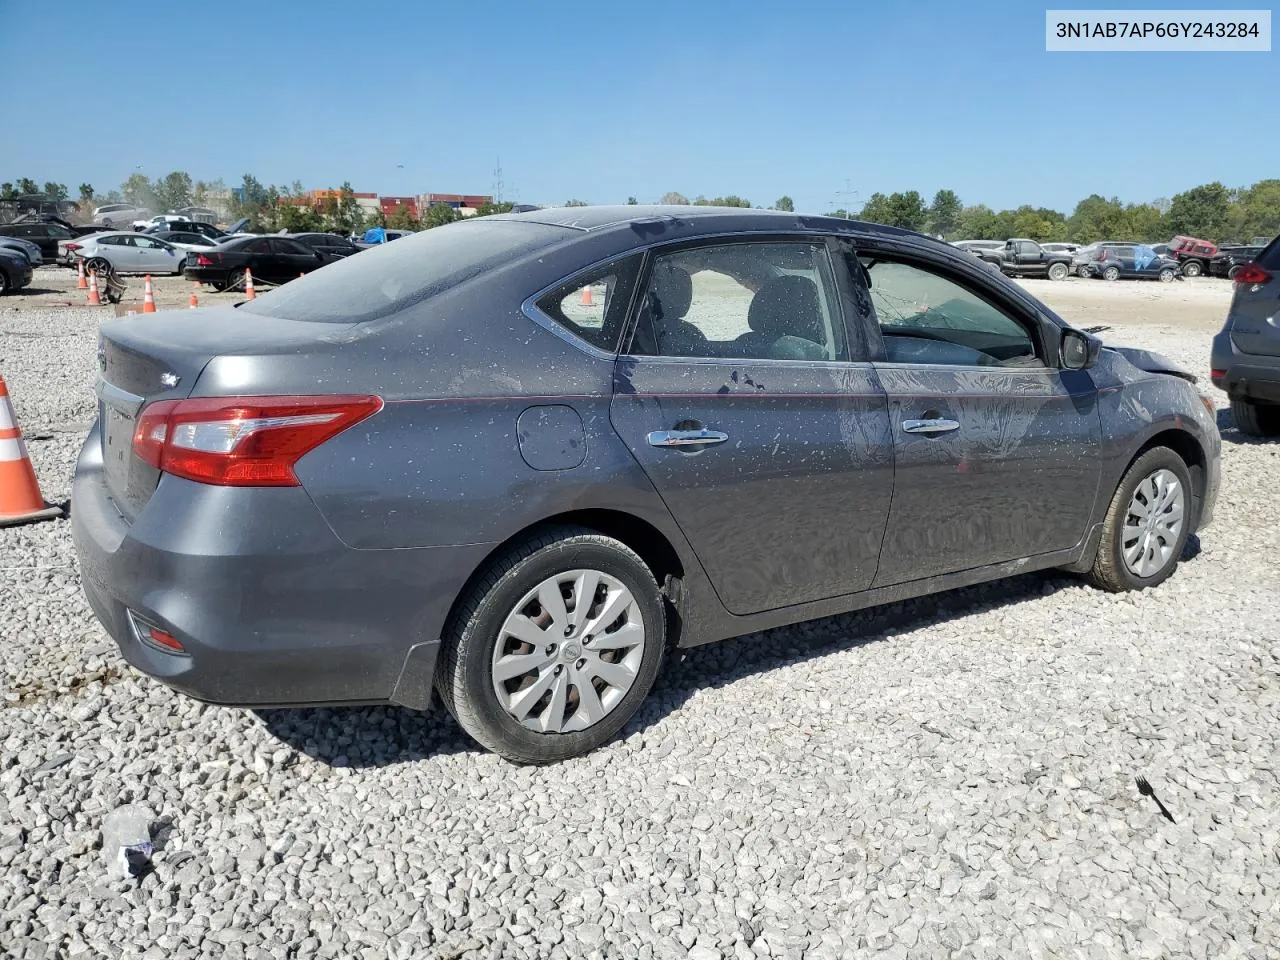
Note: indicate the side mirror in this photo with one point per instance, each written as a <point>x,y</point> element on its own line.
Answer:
<point>1079,351</point>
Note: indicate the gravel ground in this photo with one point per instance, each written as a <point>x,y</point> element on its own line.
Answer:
<point>950,777</point>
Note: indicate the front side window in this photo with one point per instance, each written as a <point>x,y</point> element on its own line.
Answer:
<point>755,301</point>
<point>925,317</point>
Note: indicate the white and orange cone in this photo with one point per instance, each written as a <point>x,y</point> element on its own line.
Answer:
<point>586,295</point>
<point>81,282</point>
<point>20,499</point>
<point>248,284</point>
<point>148,297</point>
<point>94,299</point>
<point>195,300</point>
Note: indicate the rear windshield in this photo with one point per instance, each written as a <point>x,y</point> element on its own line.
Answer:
<point>387,278</point>
<point>1270,257</point>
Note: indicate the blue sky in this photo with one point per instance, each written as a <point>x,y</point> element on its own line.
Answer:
<point>600,101</point>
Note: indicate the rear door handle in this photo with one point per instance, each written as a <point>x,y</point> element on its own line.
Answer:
<point>933,426</point>
<point>686,438</point>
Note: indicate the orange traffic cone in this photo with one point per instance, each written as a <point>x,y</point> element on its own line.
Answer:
<point>94,299</point>
<point>20,500</point>
<point>248,284</point>
<point>586,295</point>
<point>148,298</point>
<point>81,282</point>
<point>195,300</point>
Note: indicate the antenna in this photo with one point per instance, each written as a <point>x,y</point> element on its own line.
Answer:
<point>849,195</point>
<point>497,181</point>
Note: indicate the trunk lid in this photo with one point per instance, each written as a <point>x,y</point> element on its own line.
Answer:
<point>1255,309</point>
<point>160,357</point>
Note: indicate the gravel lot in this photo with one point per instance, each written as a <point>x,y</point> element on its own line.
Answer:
<point>950,777</point>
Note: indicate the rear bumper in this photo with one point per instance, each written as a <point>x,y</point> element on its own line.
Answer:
<point>1252,376</point>
<point>270,607</point>
<point>205,274</point>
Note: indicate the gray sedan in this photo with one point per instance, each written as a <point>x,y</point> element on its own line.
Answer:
<point>127,253</point>
<point>518,460</point>
<point>28,249</point>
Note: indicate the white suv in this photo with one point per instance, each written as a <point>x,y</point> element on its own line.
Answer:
<point>116,215</point>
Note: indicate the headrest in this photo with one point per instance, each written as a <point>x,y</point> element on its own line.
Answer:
<point>787,306</point>
<point>672,289</point>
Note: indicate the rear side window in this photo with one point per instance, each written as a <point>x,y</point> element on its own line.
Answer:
<point>593,305</point>
<point>390,277</point>
<point>1270,256</point>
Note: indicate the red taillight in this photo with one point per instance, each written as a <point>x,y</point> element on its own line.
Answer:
<point>1217,374</point>
<point>1252,273</point>
<point>242,441</point>
<point>203,261</point>
<point>71,246</point>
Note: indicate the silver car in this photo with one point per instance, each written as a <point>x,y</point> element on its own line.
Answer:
<point>119,214</point>
<point>128,253</point>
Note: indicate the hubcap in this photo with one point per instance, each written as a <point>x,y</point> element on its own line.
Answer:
<point>569,652</point>
<point>1153,523</point>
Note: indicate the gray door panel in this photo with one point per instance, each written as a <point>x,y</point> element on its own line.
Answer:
<point>791,506</point>
<point>1015,476</point>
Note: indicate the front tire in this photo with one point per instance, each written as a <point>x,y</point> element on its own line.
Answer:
<point>1147,524</point>
<point>555,647</point>
<point>1255,419</point>
<point>1192,268</point>
<point>1167,275</point>
<point>1058,271</point>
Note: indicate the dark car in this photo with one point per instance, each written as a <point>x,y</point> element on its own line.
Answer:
<point>15,270</point>
<point>1136,262</point>
<point>44,235</point>
<point>273,259</point>
<point>1245,358</point>
<point>329,245</point>
<point>518,459</point>
<point>1193,254</point>
<point>188,226</point>
<point>1230,260</point>
<point>1026,258</point>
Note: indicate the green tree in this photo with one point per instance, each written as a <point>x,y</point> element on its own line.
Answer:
<point>301,219</point>
<point>841,214</point>
<point>487,209</point>
<point>944,213</point>
<point>438,215</point>
<point>733,200</point>
<point>402,218</point>
<point>86,193</point>
<point>27,185</point>
<point>138,191</point>
<point>907,210</point>
<point>348,217</point>
<point>58,191</point>
<point>784,203</point>
<point>174,191</point>
<point>977,222</point>
<point>7,191</point>
<point>1256,212</point>
<point>1201,211</point>
<point>632,201</point>
<point>672,197</point>
<point>575,203</point>
<point>876,209</point>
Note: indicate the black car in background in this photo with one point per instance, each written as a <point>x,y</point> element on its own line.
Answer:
<point>329,245</point>
<point>273,259</point>
<point>1230,259</point>
<point>42,234</point>
<point>188,226</point>
<point>1135,262</point>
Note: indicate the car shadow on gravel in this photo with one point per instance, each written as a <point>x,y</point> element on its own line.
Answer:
<point>368,736</point>
<point>1232,434</point>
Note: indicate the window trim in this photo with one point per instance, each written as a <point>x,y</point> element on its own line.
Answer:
<point>838,318</point>
<point>529,307</point>
<point>1033,324</point>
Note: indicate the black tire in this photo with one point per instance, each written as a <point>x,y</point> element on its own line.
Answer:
<point>1111,273</point>
<point>1255,419</point>
<point>106,222</point>
<point>1167,275</point>
<point>99,265</point>
<point>1231,274</point>
<point>1192,268</point>
<point>464,673</point>
<point>1059,271</point>
<point>1109,571</point>
<point>1083,272</point>
<point>4,283</point>
<point>235,279</point>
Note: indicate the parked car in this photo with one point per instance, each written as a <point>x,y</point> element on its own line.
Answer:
<point>160,221</point>
<point>441,464</point>
<point>329,245</point>
<point>273,259</point>
<point>1137,262</point>
<point>119,214</point>
<point>199,214</point>
<point>44,235</point>
<point>28,249</point>
<point>188,226</point>
<point>126,252</point>
<point>1082,260</point>
<point>376,236</point>
<point>1193,254</point>
<point>1020,257</point>
<point>1229,260</point>
<point>1245,357</point>
<point>973,246</point>
<point>185,241</point>
<point>15,270</point>
<point>1060,247</point>
<point>41,204</point>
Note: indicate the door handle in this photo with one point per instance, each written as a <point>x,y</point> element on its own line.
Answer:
<point>685,438</point>
<point>929,427</point>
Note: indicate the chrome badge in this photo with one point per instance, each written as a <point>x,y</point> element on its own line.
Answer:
<point>169,380</point>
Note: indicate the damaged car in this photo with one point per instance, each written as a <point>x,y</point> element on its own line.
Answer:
<point>511,464</point>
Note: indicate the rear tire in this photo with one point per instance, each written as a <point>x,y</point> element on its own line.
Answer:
<point>1167,275</point>
<point>1192,268</point>
<point>1255,419</point>
<point>1111,273</point>
<point>1231,274</point>
<point>1110,569</point>
<point>1058,271</point>
<point>1083,272</point>
<point>503,618</point>
<point>4,283</point>
<point>234,279</point>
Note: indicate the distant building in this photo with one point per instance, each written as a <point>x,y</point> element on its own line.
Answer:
<point>465,203</point>
<point>390,205</point>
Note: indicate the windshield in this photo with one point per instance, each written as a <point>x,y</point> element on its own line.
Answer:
<point>390,277</point>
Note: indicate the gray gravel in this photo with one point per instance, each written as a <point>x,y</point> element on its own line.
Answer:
<point>942,778</point>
